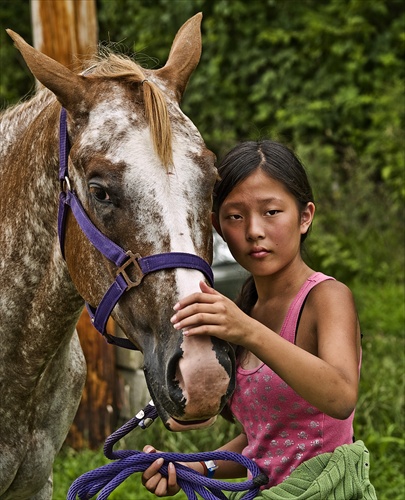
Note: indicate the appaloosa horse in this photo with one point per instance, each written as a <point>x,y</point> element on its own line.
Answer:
<point>134,183</point>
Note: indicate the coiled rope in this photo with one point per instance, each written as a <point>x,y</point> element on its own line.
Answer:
<point>105,479</point>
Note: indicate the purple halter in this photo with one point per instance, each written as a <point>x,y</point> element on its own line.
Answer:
<point>122,259</point>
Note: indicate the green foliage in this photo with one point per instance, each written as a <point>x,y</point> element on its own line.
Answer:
<point>380,416</point>
<point>327,78</point>
<point>15,80</point>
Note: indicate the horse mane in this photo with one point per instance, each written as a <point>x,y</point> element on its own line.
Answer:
<point>113,65</point>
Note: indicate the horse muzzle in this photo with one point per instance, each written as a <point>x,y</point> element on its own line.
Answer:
<point>198,380</point>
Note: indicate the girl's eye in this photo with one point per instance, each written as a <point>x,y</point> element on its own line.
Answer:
<point>99,194</point>
<point>234,217</point>
<point>272,212</point>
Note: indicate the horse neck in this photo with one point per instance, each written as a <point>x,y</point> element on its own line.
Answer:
<point>15,120</point>
<point>40,305</point>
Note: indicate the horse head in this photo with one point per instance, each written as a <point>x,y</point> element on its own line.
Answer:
<point>144,177</point>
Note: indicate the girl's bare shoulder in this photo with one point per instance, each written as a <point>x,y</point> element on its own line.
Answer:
<point>330,303</point>
<point>330,291</point>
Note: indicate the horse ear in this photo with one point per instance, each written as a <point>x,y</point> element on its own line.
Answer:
<point>68,87</point>
<point>184,56</point>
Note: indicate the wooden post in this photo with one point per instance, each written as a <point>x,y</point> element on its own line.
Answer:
<point>67,31</point>
<point>97,415</point>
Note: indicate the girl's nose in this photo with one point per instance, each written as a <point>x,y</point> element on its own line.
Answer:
<point>254,230</point>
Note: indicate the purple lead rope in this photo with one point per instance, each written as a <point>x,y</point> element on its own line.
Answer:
<point>104,480</point>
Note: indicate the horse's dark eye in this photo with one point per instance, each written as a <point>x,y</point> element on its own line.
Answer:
<point>99,193</point>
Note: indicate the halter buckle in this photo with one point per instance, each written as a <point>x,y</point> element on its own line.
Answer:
<point>65,184</point>
<point>133,259</point>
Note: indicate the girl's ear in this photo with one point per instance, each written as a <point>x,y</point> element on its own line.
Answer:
<point>216,225</point>
<point>307,216</point>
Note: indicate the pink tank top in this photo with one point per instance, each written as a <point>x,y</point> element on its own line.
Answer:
<point>282,429</point>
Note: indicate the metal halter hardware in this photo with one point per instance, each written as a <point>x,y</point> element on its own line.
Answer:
<point>121,258</point>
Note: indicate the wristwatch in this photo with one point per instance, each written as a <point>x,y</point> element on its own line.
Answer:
<point>210,466</point>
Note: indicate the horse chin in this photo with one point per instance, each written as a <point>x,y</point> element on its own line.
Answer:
<point>181,423</point>
<point>175,425</point>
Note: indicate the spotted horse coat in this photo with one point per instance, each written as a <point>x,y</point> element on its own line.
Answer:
<point>143,175</point>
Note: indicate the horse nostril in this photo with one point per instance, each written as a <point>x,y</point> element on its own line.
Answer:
<point>173,383</point>
<point>200,379</point>
<point>197,378</point>
<point>225,353</point>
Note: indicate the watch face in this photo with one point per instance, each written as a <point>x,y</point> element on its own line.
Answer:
<point>211,465</point>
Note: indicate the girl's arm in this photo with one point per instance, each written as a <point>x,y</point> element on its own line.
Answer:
<point>232,470</point>
<point>327,378</point>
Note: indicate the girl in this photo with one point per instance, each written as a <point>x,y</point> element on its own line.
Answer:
<point>296,329</point>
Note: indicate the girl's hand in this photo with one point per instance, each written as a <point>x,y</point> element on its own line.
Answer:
<point>211,313</point>
<point>153,480</point>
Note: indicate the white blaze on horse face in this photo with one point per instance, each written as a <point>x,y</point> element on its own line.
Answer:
<point>167,197</point>
<point>171,196</point>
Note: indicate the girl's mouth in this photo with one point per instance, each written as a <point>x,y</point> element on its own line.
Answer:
<point>259,253</point>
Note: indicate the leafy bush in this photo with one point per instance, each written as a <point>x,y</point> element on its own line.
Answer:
<point>326,78</point>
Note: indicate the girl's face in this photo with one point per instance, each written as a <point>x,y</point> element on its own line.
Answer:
<point>262,225</point>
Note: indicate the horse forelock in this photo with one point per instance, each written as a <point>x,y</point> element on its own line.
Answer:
<point>156,110</point>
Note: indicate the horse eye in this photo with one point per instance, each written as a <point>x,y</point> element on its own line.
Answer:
<point>99,193</point>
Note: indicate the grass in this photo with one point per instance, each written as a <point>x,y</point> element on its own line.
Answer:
<point>379,418</point>
<point>380,413</point>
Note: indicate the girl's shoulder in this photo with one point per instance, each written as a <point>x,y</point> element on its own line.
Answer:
<point>329,320</point>
<point>329,289</point>
<point>331,301</point>
<point>321,289</point>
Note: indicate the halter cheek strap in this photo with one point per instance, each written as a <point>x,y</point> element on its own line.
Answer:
<point>122,259</point>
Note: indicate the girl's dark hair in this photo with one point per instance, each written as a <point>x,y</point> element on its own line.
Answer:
<point>279,163</point>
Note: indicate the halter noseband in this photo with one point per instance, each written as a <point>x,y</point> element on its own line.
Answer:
<point>122,259</point>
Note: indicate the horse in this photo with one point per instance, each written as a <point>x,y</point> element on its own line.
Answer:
<point>105,200</point>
